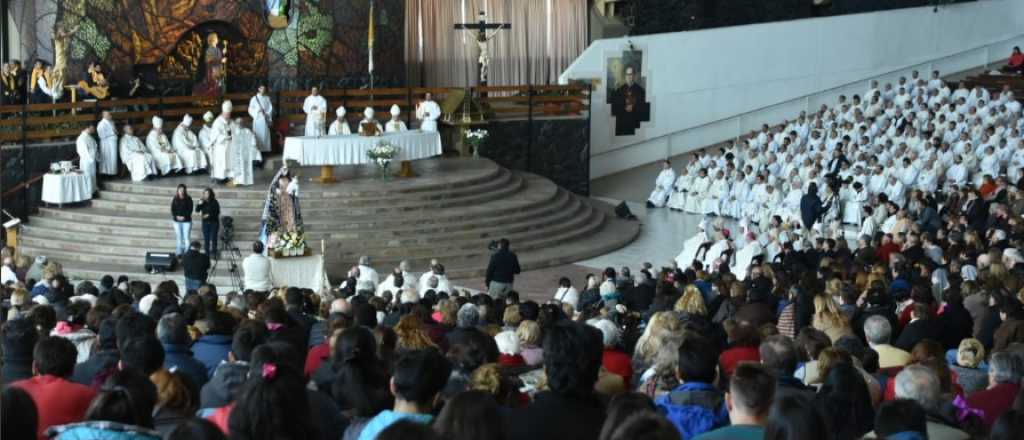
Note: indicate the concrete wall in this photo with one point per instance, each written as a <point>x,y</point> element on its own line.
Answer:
<point>712,85</point>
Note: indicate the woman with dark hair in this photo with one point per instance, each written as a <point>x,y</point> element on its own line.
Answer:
<point>181,216</point>
<point>123,409</point>
<point>796,418</point>
<point>469,416</point>
<point>273,404</point>
<point>209,210</point>
<point>196,429</point>
<point>847,402</point>
<point>360,381</point>
<point>18,411</point>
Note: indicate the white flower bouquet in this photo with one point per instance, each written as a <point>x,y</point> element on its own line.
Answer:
<point>290,244</point>
<point>475,139</point>
<point>382,154</point>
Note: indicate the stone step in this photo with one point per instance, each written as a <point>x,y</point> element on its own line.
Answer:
<point>55,227</point>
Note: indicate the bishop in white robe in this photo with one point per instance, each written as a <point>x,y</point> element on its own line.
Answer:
<point>206,136</point>
<point>395,125</point>
<point>135,156</point>
<point>160,147</point>
<point>220,144</point>
<point>244,153</point>
<point>261,110</point>
<point>315,107</point>
<point>186,144</point>
<point>368,120</point>
<point>662,186</point>
<point>107,132</point>
<point>340,125</point>
<point>428,113</point>
<point>87,149</point>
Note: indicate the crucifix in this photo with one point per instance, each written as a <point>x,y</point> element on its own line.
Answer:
<point>484,32</point>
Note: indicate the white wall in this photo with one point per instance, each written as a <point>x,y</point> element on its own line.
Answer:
<point>712,85</point>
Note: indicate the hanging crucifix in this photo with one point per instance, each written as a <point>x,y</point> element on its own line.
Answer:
<point>484,32</point>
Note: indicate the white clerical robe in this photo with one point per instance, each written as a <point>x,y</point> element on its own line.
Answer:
<point>716,192</point>
<point>108,147</point>
<point>262,112</point>
<point>395,126</point>
<point>853,204</point>
<point>677,200</point>
<point>690,247</point>
<point>220,143</point>
<point>442,283</point>
<point>206,141</point>
<point>166,159</point>
<point>428,112</point>
<point>408,283</point>
<point>369,121</point>
<point>869,227</point>
<point>790,208</point>
<point>339,126</point>
<point>186,144</point>
<point>138,160</point>
<point>315,108</point>
<point>244,152</point>
<point>87,149</point>
<point>695,197</point>
<point>662,187</point>
<point>956,175</point>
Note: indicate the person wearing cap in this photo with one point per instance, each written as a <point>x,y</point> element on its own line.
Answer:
<point>206,136</point>
<point>428,113</point>
<point>262,112</point>
<point>108,145</point>
<point>244,153</point>
<point>136,157</point>
<point>315,107</point>
<point>186,144</point>
<point>368,120</point>
<point>167,161</point>
<point>87,150</point>
<point>395,125</point>
<point>340,125</point>
<point>220,145</point>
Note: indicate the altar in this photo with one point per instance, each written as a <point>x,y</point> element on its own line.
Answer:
<point>302,272</point>
<point>351,149</point>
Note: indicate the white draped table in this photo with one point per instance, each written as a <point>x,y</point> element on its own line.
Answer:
<point>66,188</point>
<point>302,272</point>
<point>350,149</point>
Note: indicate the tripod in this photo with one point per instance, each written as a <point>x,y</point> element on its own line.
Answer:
<point>229,251</point>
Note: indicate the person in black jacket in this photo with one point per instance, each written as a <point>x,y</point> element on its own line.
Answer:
<point>810,206</point>
<point>209,209</point>
<point>181,215</point>
<point>501,271</point>
<point>197,267</point>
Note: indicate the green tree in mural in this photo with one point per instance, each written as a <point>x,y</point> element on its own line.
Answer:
<point>310,31</point>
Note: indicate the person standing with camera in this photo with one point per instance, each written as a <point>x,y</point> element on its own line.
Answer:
<point>196,266</point>
<point>209,209</point>
<point>501,271</point>
<point>181,214</point>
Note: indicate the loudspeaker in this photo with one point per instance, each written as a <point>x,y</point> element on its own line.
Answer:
<point>158,262</point>
<point>623,212</point>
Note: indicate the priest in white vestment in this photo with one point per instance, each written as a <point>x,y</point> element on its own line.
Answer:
<point>160,147</point>
<point>261,110</point>
<point>186,144</point>
<point>408,280</point>
<point>718,190</point>
<point>428,113</point>
<point>244,153</point>
<point>340,125</point>
<point>957,173</point>
<point>662,186</point>
<point>107,132</point>
<point>395,125</point>
<point>206,136</point>
<point>315,107</point>
<point>677,201</point>
<point>434,279</point>
<point>854,196</point>
<point>220,144</point>
<point>695,197</point>
<point>135,156</point>
<point>369,120</point>
<point>87,149</point>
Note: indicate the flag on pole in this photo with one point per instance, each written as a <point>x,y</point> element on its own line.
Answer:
<point>369,38</point>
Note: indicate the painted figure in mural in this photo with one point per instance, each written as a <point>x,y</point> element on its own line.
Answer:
<point>215,74</point>
<point>61,41</point>
<point>99,88</point>
<point>629,105</point>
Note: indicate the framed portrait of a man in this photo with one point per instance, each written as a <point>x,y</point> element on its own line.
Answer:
<point>627,93</point>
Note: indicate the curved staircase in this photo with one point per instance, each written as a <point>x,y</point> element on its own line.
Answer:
<point>450,212</point>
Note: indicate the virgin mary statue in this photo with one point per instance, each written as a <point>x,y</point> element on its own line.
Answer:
<point>281,212</point>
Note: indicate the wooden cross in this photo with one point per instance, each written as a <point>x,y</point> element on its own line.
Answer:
<point>481,27</point>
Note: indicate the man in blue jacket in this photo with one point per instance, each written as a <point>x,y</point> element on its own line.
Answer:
<point>695,406</point>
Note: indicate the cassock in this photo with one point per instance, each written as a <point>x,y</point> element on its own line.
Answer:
<point>108,147</point>
<point>87,148</point>
<point>408,283</point>
<point>853,204</point>
<point>428,112</point>
<point>186,144</point>
<point>442,283</point>
<point>662,187</point>
<point>262,113</point>
<point>956,175</point>
<point>315,108</point>
<point>340,125</point>
<point>138,160</point>
<point>160,147</point>
<point>696,196</point>
<point>206,136</point>
<point>244,152</point>
<point>716,192</point>
<point>677,200</point>
<point>220,142</point>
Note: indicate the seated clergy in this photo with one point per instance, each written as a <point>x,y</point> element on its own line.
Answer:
<point>662,186</point>
<point>677,201</point>
<point>717,191</point>
<point>135,156</point>
<point>166,159</point>
<point>700,186</point>
<point>206,135</point>
<point>395,125</point>
<point>368,121</point>
<point>340,125</point>
<point>853,196</point>
<point>186,144</point>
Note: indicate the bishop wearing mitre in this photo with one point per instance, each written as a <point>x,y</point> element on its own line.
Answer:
<point>368,120</point>
<point>220,145</point>
<point>428,112</point>
<point>160,147</point>
<point>186,144</point>
<point>340,125</point>
<point>262,112</point>
<point>315,107</point>
<point>395,125</point>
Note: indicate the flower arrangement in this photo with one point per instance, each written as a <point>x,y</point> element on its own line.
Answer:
<point>289,244</point>
<point>475,139</point>
<point>382,154</point>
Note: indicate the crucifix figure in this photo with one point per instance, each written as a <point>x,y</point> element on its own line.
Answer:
<point>484,32</point>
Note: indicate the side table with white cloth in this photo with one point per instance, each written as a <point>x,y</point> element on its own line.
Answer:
<point>351,149</point>
<point>61,188</point>
<point>302,272</point>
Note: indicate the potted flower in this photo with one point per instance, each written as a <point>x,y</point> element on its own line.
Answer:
<point>475,139</point>
<point>382,154</point>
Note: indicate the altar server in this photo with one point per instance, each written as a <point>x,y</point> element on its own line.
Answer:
<point>368,119</point>
<point>87,150</point>
<point>395,125</point>
<point>340,125</point>
<point>244,153</point>
<point>428,112</point>
<point>220,145</point>
<point>160,147</point>
<point>662,186</point>
<point>315,107</point>
<point>262,112</point>
<point>107,132</point>
<point>186,144</point>
<point>135,156</point>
